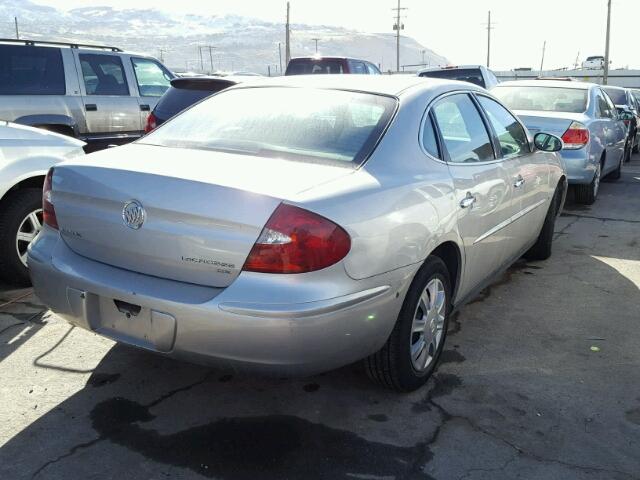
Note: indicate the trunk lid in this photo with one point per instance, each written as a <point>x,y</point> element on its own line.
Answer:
<point>203,210</point>
<point>555,123</point>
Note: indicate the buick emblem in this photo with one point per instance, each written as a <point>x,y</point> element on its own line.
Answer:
<point>133,214</point>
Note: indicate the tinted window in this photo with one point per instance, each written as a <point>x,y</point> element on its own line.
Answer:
<point>291,123</point>
<point>153,79</point>
<point>103,75</point>
<point>307,66</point>
<point>546,99</point>
<point>429,141</point>
<point>604,108</point>
<point>358,68</point>
<point>471,75</point>
<point>28,70</point>
<point>463,132</point>
<point>618,97</point>
<point>373,70</point>
<point>512,137</point>
<point>177,99</point>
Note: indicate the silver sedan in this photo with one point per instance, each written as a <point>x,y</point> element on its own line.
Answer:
<point>301,224</point>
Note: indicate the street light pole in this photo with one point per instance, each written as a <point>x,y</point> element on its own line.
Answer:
<point>605,74</point>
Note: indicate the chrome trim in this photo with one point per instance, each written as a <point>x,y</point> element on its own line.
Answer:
<point>508,221</point>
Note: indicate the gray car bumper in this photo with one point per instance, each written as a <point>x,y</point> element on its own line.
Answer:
<point>329,320</point>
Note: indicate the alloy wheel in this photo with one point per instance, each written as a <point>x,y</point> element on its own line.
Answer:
<point>27,232</point>
<point>428,325</point>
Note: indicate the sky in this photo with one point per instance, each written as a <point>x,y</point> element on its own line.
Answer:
<point>455,29</point>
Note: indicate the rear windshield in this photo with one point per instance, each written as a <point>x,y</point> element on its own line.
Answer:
<point>177,99</point>
<point>589,59</point>
<point>309,66</point>
<point>546,99</point>
<point>291,123</point>
<point>618,97</point>
<point>27,70</point>
<point>471,75</point>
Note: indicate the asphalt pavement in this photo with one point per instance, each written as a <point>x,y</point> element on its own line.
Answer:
<point>540,379</point>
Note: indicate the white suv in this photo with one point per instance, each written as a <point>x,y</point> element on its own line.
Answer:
<point>593,63</point>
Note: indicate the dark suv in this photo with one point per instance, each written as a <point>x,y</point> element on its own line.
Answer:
<point>624,102</point>
<point>330,65</point>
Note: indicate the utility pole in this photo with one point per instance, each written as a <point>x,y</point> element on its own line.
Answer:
<point>287,47</point>
<point>397,27</point>
<point>544,48</point>
<point>577,62</point>
<point>489,40</point>
<point>161,50</point>
<point>280,55</point>
<point>316,40</point>
<point>15,19</point>
<point>200,53</point>
<point>605,74</point>
<point>211,56</point>
<point>423,52</point>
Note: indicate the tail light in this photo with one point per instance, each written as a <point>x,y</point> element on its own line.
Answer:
<point>48,212</point>
<point>576,136</point>
<point>152,123</point>
<point>297,241</point>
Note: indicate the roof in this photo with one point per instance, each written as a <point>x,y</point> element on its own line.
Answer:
<point>548,83</point>
<point>377,84</point>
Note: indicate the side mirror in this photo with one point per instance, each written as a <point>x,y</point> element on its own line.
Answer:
<point>626,115</point>
<point>547,142</point>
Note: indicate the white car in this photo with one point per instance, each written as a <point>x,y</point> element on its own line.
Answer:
<point>26,154</point>
<point>593,63</point>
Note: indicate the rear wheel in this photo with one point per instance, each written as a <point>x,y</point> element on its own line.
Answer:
<point>20,222</point>
<point>587,194</point>
<point>541,250</point>
<point>413,349</point>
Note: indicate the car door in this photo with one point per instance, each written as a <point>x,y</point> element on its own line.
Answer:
<point>528,174</point>
<point>481,186</point>
<point>614,129</point>
<point>152,80</point>
<point>110,108</point>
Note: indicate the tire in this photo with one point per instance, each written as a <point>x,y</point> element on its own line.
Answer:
<point>627,151</point>
<point>587,194</point>
<point>394,365</point>
<point>14,216</point>
<point>541,250</point>
<point>617,173</point>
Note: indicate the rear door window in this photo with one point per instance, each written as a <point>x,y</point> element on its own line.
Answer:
<point>429,141</point>
<point>152,78</point>
<point>604,108</point>
<point>103,75</point>
<point>373,70</point>
<point>463,132</point>
<point>27,70</point>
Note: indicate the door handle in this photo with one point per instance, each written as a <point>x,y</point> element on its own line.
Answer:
<point>468,201</point>
<point>145,108</point>
<point>91,107</point>
<point>519,181</point>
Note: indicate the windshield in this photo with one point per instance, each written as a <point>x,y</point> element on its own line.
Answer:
<point>310,66</point>
<point>546,99</point>
<point>292,123</point>
<point>618,97</point>
<point>471,75</point>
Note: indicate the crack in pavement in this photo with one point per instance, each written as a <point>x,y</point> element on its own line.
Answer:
<point>81,446</point>
<point>564,229</point>
<point>603,219</point>
<point>11,326</point>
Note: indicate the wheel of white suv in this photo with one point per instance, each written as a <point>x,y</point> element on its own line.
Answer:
<point>20,222</point>
<point>413,349</point>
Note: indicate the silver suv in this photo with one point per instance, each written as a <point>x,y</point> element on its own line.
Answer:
<point>98,94</point>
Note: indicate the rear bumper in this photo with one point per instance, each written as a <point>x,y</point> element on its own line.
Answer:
<point>283,324</point>
<point>580,165</point>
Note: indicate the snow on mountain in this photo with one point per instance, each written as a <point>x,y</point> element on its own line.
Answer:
<point>239,43</point>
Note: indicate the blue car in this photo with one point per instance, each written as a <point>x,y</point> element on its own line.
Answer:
<point>582,114</point>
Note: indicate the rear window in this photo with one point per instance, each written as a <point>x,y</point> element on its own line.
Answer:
<point>309,66</point>
<point>471,75</point>
<point>26,70</point>
<point>291,123</point>
<point>618,97</point>
<point>177,99</point>
<point>546,99</point>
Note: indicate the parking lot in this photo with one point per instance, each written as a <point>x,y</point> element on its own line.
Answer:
<point>540,380</point>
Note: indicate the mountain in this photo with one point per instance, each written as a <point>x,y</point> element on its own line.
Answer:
<point>239,43</point>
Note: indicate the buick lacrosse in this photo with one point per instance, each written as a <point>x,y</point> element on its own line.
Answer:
<point>300,224</point>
